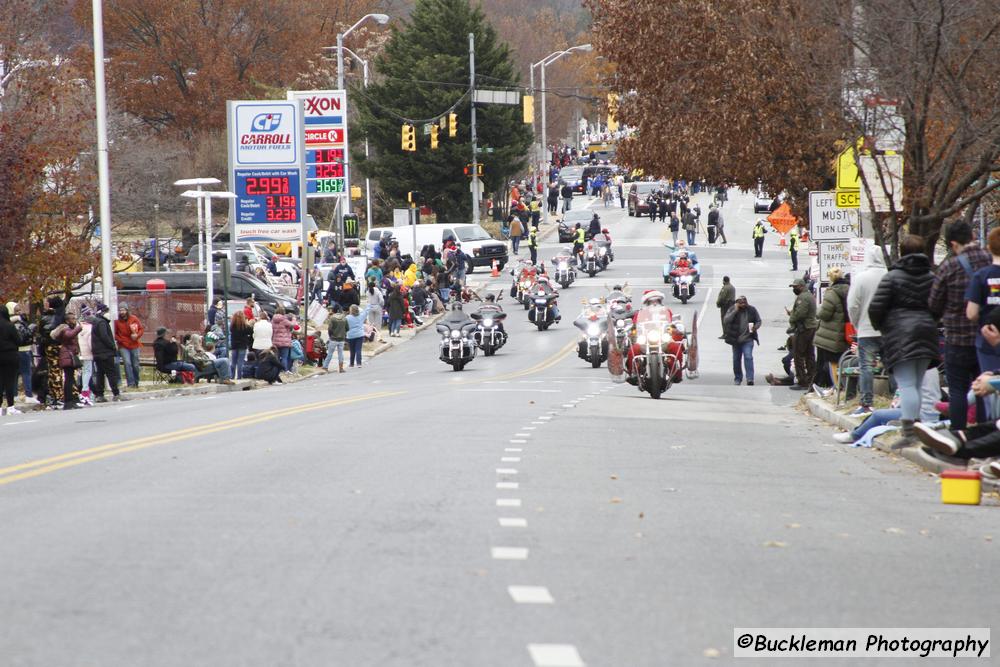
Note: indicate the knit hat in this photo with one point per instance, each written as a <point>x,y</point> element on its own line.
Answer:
<point>161,331</point>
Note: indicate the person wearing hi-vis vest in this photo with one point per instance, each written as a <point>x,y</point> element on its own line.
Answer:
<point>533,244</point>
<point>793,247</point>
<point>758,238</point>
<point>579,238</point>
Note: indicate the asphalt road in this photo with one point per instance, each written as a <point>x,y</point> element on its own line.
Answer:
<point>523,512</point>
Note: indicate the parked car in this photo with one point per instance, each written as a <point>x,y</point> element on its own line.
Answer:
<point>637,194</point>
<point>477,244</point>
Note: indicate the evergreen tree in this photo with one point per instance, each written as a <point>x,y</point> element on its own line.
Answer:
<point>423,72</point>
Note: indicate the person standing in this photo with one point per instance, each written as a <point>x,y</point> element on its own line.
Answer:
<point>241,339</point>
<point>397,308</point>
<point>830,339</point>
<point>52,318</point>
<point>983,295</point>
<point>720,226</point>
<point>281,337</point>
<point>24,355</point>
<point>533,244</point>
<point>67,335</point>
<point>337,330</point>
<point>10,341</point>
<point>263,334</point>
<point>376,305</point>
<point>859,297</point>
<point>802,327</point>
<point>725,301</point>
<point>535,207</point>
<point>516,230</point>
<point>675,228</point>
<point>553,200</point>
<point>690,226</point>
<point>567,196</point>
<point>356,334</point>
<point>947,302</point>
<point>740,326</point>
<point>758,238</point>
<point>713,223</point>
<point>103,349</point>
<point>900,311</point>
<point>620,184</point>
<point>128,334</point>
<point>793,247</point>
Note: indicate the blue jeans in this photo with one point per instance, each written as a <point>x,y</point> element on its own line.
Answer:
<point>331,347</point>
<point>180,367</point>
<point>961,367</point>
<point>285,357</point>
<point>355,348</point>
<point>221,366</point>
<point>876,418</point>
<point>239,356</point>
<point>910,376</point>
<point>743,352</point>
<point>515,242</point>
<point>394,325</point>
<point>131,360</point>
<point>24,368</point>
<point>867,348</point>
<point>690,234</point>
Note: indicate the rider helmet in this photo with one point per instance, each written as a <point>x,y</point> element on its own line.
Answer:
<point>652,298</point>
<point>616,288</point>
<point>605,231</point>
<point>594,302</point>
<point>491,298</point>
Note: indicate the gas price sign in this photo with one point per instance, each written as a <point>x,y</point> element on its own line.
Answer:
<point>325,171</point>
<point>268,198</point>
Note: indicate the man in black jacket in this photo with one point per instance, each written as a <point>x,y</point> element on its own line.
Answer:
<point>567,196</point>
<point>165,351</point>
<point>740,328</point>
<point>102,343</point>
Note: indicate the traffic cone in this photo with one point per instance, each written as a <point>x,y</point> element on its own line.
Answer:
<point>495,273</point>
<point>782,241</point>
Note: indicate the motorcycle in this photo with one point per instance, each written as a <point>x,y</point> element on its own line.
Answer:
<point>683,280</point>
<point>524,280</point>
<point>620,313</point>
<point>604,254</point>
<point>660,360</point>
<point>487,334</point>
<point>542,309</point>
<point>593,345</point>
<point>457,347</point>
<point>563,273</point>
<point>590,261</point>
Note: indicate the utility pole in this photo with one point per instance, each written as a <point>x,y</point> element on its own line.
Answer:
<point>103,177</point>
<point>472,128</point>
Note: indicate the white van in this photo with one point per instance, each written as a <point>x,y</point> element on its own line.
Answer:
<point>476,242</point>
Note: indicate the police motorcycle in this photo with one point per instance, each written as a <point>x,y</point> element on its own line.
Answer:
<point>489,333</point>
<point>604,253</point>
<point>593,326</point>
<point>544,311</point>
<point>457,347</point>
<point>564,271</point>
<point>620,314</point>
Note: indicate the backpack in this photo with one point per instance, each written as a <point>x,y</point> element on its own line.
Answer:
<point>23,333</point>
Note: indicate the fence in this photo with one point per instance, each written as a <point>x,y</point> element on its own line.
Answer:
<point>180,311</point>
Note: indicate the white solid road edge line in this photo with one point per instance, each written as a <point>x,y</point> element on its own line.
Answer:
<point>555,655</point>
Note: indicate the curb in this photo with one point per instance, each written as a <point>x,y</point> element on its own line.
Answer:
<point>822,410</point>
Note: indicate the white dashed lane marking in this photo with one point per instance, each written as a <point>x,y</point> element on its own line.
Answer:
<point>512,522</point>
<point>510,459</point>
<point>508,502</point>
<point>509,553</point>
<point>512,449</point>
<point>518,442</point>
<point>507,485</point>
<point>506,471</point>
<point>530,594</point>
<point>522,435</point>
<point>555,655</point>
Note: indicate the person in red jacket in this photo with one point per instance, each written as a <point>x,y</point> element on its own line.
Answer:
<point>128,335</point>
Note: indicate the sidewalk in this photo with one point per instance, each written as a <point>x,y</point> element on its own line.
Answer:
<point>824,410</point>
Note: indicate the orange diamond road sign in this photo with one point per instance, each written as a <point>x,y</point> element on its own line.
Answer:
<point>782,219</point>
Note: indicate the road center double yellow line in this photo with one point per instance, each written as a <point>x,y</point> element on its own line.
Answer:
<point>44,466</point>
<point>537,368</point>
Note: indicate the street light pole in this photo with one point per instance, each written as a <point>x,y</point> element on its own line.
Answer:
<point>103,177</point>
<point>368,183</point>
<point>546,160</point>
<point>381,19</point>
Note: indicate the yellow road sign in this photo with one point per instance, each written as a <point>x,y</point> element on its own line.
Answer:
<point>847,168</point>
<point>848,198</point>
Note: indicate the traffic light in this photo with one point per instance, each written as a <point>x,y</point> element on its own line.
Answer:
<point>529,108</point>
<point>409,138</point>
<point>414,198</point>
<point>434,137</point>
<point>453,125</point>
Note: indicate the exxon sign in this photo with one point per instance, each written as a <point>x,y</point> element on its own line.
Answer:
<point>322,105</point>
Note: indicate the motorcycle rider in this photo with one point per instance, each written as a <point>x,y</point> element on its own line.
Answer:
<point>544,285</point>
<point>491,305</point>
<point>595,226</point>
<point>653,306</point>
<point>579,238</point>
<point>593,310</point>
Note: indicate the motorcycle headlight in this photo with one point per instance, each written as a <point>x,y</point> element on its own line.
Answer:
<point>653,336</point>
<point>456,334</point>
<point>641,339</point>
<point>620,323</point>
<point>563,266</point>
<point>487,323</point>
<point>593,330</point>
<point>604,251</point>
<point>539,302</point>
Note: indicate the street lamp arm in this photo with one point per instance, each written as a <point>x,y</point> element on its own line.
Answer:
<point>381,19</point>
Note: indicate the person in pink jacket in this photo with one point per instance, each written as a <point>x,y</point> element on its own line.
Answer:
<point>281,336</point>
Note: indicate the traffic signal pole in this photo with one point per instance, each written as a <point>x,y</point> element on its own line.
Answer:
<point>472,128</point>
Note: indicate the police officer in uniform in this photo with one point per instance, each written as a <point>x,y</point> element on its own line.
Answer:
<point>758,238</point>
<point>533,244</point>
<point>793,247</point>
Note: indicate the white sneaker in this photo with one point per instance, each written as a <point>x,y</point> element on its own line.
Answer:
<point>31,400</point>
<point>14,411</point>
<point>844,438</point>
